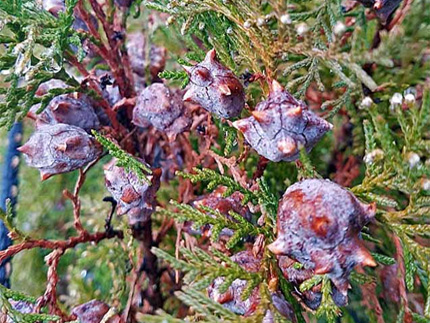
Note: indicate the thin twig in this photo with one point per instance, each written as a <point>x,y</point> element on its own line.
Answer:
<point>58,244</point>
<point>401,279</point>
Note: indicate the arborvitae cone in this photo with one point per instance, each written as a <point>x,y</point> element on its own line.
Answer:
<point>280,125</point>
<point>72,109</point>
<point>215,88</point>
<point>318,224</point>
<point>59,148</point>
<point>94,312</point>
<point>136,49</point>
<point>224,205</point>
<point>135,197</point>
<point>162,108</point>
<point>232,298</point>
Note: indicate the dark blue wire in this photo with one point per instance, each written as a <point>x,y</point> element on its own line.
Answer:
<point>9,180</point>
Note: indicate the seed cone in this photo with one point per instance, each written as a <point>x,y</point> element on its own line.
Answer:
<point>72,109</point>
<point>135,197</point>
<point>232,298</point>
<point>318,224</point>
<point>163,109</point>
<point>281,125</point>
<point>215,88</point>
<point>59,148</point>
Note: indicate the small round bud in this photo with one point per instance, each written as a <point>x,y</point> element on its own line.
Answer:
<point>302,29</point>
<point>339,29</point>
<point>21,307</point>
<point>410,98</point>
<point>170,20</point>
<point>135,197</point>
<point>373,156</point>
<point>232,298</point>
<point>286,19</point>
<point>163,109</point>
<point>136,48</point>
<point>396,99</point>
<point>366,103</point>
<point>413,159</point>
<point>247,24</point>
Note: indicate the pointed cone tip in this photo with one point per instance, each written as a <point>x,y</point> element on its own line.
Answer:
<point>62,147</point>
<point>211,55</point>
<point>187,69</point>
<point>276,86</point>
<point>261,116</point>
<point>224,89</point>
<point>370,209</point>
<point>365,257</point>
<point>188,96</point>
<point>295,112</point>
<point>61,106</point>
<point>241,125</point>
<point>277,247</point>
<point>44,176</point>
<point>287,146</point>
<point>25,149</point>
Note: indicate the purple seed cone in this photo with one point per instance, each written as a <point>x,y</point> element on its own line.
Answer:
<point>215,88</point>
<point>163,109</point>
<point>281,125</point>
<point>59,148</point>
<point>135,197</point>
<point>318,224</point>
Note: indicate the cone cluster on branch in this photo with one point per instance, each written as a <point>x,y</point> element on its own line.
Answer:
<point>318,222</point>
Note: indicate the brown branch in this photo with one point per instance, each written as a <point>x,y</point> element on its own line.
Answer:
<point>401,278</point>
<point>75,196</point>
<point>143,233</point>
<point>104,53</point>
<point>370,299</point>
<point>111,56</point>
<point>58,244</point>
<point>76,209</point>
<point>166,225</point>
<point>50,296</point>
